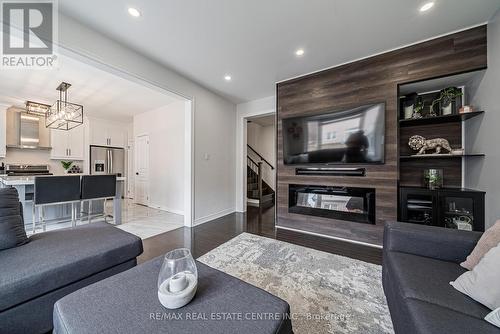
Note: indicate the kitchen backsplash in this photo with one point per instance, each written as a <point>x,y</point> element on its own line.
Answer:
<point>34,157</point>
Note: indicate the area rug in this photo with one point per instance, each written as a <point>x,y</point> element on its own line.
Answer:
<point>327,293</point>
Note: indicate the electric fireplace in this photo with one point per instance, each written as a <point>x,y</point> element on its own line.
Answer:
<point>344,203</point>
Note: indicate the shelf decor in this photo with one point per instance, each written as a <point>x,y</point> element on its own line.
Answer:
<point>420,144</point>
<point>447,100</point>
<point>64,115</point>
<point>37,108</point>
<point>433,178</point>
<point>409,104</point>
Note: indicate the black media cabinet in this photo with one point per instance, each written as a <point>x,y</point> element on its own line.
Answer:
<point>442,207</point>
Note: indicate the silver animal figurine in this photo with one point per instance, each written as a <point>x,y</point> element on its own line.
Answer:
<point>420,144</point>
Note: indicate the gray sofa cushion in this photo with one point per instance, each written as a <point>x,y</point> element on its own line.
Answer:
<point>12,231</point>
<point>428,280</point>
<point>54,259</point>
<point>429,318</point>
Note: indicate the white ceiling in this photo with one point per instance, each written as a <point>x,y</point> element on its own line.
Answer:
<point>102,94</point>
<point>254,40</point>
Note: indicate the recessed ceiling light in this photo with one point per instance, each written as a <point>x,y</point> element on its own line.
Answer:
<point>134,12</point>
<point>427,6</point>
<point>227,77</point>
<point>299,52</point>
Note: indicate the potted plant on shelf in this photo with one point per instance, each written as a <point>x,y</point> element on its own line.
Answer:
<point>66,165</point>
<point>447,100</point>
<point>409,103</point>
<point>418,109</point>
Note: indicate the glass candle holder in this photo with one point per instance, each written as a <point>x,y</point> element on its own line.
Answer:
<point>433,178</point>
<point>178,279</point>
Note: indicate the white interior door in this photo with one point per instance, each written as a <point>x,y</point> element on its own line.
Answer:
<point>130,169</point>
<point>142,170</point>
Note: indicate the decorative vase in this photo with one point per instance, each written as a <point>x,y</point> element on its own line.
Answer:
<point>409,112</point>
<point>433,178</point>
<point>447,110</point>
<point>178,279</point>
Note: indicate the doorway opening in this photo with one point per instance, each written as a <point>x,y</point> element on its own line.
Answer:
<point>260,169</point>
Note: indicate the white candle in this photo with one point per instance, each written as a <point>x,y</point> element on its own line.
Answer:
<point>178,282</point>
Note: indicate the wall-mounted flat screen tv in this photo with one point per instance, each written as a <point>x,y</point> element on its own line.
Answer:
<point>353,136</point>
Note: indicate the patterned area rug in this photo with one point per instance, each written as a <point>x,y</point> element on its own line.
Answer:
<point>327,293</point>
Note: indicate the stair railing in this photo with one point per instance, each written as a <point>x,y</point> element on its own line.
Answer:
<point>256,177</point>
<point>260,156</point>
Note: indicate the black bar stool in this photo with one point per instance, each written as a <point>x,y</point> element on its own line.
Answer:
<point>55,190</point>
<point>97,187</point>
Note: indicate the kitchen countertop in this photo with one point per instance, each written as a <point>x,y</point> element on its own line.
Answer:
<point>29,180</point>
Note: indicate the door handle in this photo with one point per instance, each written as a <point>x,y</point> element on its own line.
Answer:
<point>136,173</point>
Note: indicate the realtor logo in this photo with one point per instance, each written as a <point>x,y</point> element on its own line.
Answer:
<point>28,34</point>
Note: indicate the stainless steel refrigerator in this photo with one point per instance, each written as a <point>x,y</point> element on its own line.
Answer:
<point>107,160</point>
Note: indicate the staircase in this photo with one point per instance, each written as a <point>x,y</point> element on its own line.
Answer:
<point>259,193</point>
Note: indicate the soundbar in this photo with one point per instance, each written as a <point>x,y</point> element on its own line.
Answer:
<point>330,171</point>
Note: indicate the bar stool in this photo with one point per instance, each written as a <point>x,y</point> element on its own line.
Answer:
<point>55,190</point>
<point>97,187</point>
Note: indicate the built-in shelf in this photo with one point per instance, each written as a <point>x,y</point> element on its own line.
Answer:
<point>440,156</point>
<point>468,190</point>
<point>439,119</point>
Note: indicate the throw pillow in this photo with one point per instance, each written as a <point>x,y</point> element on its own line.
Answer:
<point>488,240</point>
<point>481,283</point>
<point>12,231</point>
<point>494,317</point>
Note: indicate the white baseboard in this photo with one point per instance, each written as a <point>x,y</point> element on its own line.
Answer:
<point>164,208</point>
<point>202,220</point>
<point>331,237</point>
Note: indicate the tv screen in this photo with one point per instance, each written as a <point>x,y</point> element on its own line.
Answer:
<point>354,136</point>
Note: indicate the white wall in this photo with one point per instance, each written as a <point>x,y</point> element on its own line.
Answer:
<point>264,106</point>
<point>262,139</point>
<point>214,116</point>
<point>165,128</point>
<point>482,132</point>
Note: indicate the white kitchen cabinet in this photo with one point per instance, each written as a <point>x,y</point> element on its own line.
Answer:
<point>116,136</point>
<point>106,133</point>
<point>76,139</point>
<point>3,131</point>
<point>98,133</point>
<point>67,144</point>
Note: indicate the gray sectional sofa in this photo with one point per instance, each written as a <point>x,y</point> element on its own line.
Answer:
<point>418,264</point>
<point>53,264</point>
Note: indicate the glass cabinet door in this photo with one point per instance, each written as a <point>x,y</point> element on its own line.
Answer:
<point>458,212</point>
<point>462,210</point>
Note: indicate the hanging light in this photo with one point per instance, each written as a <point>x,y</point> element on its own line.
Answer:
<point>64,115</point>
<point>37,108</point>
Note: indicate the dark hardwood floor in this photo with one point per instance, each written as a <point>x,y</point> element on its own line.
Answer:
<point>203,238</point>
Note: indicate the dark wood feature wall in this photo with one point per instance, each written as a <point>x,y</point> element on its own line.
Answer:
<point>371,80</point>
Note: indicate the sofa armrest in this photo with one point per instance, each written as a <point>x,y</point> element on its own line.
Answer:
<point>430,241</point>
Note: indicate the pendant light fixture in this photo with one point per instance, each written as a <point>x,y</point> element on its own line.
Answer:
<point>37,108</point>
<point>64,115</point>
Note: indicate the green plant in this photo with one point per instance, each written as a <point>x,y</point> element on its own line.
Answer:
<point>417,109</point>
<point>66,164</point>
<point>446,96</point>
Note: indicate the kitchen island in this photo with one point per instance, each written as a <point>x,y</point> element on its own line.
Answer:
<point>62,212</point>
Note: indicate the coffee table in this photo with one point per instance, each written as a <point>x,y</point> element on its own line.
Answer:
<point>128,303</point>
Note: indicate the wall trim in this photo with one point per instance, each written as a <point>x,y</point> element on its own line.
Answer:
<point>331,237</point>
<point>210,217</point>
<point>383,52</point>
<point>165,208</point>
<point>241,154</point>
